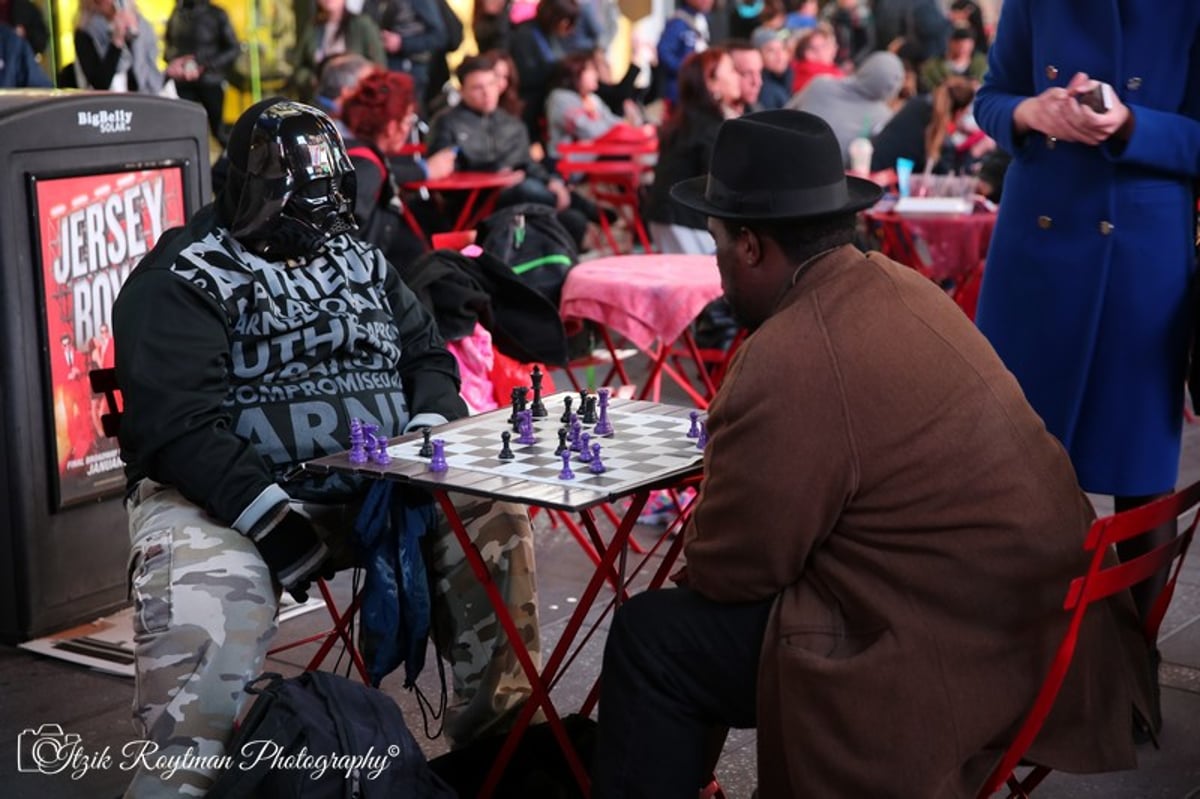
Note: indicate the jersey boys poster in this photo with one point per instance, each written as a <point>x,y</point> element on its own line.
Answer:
<point>92,231</point>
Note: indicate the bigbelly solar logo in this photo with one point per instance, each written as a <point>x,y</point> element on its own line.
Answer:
<point>118,121</point>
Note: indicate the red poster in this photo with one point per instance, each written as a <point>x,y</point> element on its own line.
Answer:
<point>92,231</point>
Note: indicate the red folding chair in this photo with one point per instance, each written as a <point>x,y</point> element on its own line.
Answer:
<point>1103,579</point>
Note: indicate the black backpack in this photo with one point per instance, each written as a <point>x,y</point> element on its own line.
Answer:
<point>535,245</point>
<point>322,736</point>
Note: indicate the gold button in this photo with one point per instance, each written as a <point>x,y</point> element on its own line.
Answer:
<point>1106,228</point>
<point>1050,142</point>
<point>1133,84</point>
<point>1044,222</point>
<point>1052,72</point>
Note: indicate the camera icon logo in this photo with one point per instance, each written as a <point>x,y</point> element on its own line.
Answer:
<point>46,750</point>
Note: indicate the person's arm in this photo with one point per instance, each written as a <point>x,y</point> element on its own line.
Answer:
<point>1164,140</point>
<point>1009,79</point>
<point>30,71</point>
<point>441,133</point>
<point>764,506</point>
<point>227,42</point>
<point>427,369</point>
<point>370,185</point>
<point>671,46</point>
<point>434,39</point>
<point>372,39</point>
<point>97,68</point>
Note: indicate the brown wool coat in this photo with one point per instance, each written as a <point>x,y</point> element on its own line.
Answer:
<point>874,465</point>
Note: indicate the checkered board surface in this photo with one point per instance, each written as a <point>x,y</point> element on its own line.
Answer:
<point>649,446</point>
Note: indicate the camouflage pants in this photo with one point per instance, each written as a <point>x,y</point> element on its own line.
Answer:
<point>204,613</point>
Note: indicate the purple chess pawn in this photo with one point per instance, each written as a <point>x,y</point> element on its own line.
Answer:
<point>596,466</point>
<point>585,448</point>
<point>381,456</point>
<point>576,432</point>
<point>694,430</point>
<point>566,473</point>
<point>703,438</point>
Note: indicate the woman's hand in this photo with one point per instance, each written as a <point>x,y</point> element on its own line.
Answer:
<point>1057,113</point>
<point>441,163</point>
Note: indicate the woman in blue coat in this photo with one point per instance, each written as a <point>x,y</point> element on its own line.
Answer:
<point>1086,293</point>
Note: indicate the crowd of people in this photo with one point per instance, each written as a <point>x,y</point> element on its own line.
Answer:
<point>896,560</point>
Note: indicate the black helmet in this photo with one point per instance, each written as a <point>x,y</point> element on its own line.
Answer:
<point>299,184</point>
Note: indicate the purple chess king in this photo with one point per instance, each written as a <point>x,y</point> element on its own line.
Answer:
<point>358,440</point>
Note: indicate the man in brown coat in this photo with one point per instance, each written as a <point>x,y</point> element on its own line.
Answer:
<point>877,562</point>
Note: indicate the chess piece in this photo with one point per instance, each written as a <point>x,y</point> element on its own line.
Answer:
<point>603,425</point>
<point>537,406</point>
<point>566,473</point>
<point>381,456</point>
<point>583,395</point>
<point>516,404</point>
<point>703,438</point>
<point>438,462</point>
<point>526,436</point>
<point>585,448</point>
<point>589,411</point>
<point>596,466</point>
<point>562,442</point>
<point>369,431</point>
<point>358,440</point>
<point>566,417</point>
<point>426,450</point>
<point>576,429</point>
<point>694,430</point>
<point>506,453</point>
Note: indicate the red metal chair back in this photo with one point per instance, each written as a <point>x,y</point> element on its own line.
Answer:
<point>1103,579</point>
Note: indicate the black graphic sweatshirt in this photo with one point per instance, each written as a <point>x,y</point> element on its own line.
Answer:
<point>234,369</point>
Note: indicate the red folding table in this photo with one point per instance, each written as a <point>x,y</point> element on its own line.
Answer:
<point>649,450</point>
<point>651,300</point>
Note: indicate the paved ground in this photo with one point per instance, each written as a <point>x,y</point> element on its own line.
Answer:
<point>36,690</point>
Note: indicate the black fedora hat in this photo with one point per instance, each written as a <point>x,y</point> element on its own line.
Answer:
<point>776,165</point>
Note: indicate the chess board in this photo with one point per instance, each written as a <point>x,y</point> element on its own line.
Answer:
<point>649,446</point>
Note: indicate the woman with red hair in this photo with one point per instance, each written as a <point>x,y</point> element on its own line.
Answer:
<point>380,113</point>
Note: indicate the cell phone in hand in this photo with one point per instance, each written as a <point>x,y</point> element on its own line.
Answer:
<point>1099,98</point>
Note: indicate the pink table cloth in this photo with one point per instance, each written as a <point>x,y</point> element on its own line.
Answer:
<point>646,298</point>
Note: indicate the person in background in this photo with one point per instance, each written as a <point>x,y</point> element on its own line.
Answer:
<point>857,105</point>
<point>920,23</point>
<point>686,32</point>
<point>852,28</point>
<point>879,597</point>
<point>200,48</point>
<point>508,82</point>
<point>748,63</point>
<point>744,17</point>
<point>1089,293</point>
<point>413,35</point>
<point>18,65</point>
<point>967,14</point>
<point>537,44</point>
<point>116,49</point>
<point>815,54</point>
<point>27,21</point>
<point>574,112</point>
<point>339,74</point>
<point>961,59</point>
<point>221,332</point>
<point>777,68</point>
<point>379,111</point>
<point>595,28</point>
<point>334,30</point>
<point>709,90</point>
<point>920,130</point>
<point>489,139</point>
<point>803,17</point>
<point>490,25</point>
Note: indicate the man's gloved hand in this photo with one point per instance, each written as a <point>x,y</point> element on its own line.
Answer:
<point>294,554</point>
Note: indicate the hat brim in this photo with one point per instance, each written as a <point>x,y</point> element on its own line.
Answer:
<point>690,193</point>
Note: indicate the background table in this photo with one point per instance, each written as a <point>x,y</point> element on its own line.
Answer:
<point>651,300</point>
<point>947,247</point>
<point>474,209</point>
